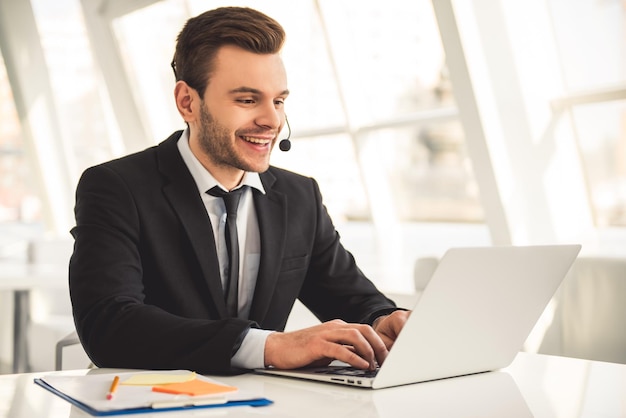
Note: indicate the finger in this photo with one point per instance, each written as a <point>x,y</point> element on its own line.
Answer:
<point>389,327</point>
<point>377,344</point>
<point>346,354</point>
<point>388,341</point>
<point>364,341</point>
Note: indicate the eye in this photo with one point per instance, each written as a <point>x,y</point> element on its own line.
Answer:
<point>279,102</point>
<point>245,101</point>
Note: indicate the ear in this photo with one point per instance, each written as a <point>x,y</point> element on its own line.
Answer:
<point>187,101</point>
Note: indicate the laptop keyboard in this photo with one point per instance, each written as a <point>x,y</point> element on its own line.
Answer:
<point>348,371</point>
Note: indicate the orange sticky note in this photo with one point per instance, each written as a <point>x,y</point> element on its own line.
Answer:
<point>194,388</point>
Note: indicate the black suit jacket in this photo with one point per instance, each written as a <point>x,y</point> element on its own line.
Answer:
<point>144,276</point>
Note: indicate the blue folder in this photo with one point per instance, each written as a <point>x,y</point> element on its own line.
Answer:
<point>183,405</point>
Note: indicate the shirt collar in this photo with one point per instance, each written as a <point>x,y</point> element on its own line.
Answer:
<point>204,180</point>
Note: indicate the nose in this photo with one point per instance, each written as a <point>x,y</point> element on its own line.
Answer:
<point>270,117</point>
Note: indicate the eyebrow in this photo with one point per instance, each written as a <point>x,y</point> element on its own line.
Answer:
<point>244,89</point>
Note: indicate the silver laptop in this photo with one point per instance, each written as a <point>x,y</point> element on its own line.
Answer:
<point>473,316</point>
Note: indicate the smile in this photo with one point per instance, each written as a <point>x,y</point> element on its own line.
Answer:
<point>255,140</point>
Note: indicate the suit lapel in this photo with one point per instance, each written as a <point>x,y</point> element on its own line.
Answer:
<point>181,191</point>
<point>272,217</point>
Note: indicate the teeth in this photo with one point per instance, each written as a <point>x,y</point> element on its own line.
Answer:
<point>256,140</point>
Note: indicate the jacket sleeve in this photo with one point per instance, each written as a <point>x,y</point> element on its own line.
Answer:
<point>108,283</point>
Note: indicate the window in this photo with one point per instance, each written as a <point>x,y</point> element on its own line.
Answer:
<point>590,36</point>
<point>87,128</point>
<point>18,193</point>
<point>371,109</point>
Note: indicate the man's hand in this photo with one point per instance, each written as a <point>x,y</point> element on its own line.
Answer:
<point>389,326</point>
<point>355,344</point>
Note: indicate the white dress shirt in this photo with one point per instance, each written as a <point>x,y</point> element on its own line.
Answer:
<point>252,351</point>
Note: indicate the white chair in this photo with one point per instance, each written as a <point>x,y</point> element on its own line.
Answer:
<point>75,357</point>
<point>589,312</point>
<point>423,270</point>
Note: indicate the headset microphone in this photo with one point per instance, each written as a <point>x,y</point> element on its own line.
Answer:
<point>285,144</point>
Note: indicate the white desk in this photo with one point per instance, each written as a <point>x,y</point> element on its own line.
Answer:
<point>533,386</point>
<point>21,278</point>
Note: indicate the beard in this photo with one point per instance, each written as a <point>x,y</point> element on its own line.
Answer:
<point>215,140</point>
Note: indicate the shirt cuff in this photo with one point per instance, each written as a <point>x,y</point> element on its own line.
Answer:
<point>251,354</point>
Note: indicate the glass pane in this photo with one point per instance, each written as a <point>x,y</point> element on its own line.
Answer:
<point>592,48</point>
<point>590,37</point>
<point>18,199</point>
<point>428,172</point>
<point>388,55</point>
<point>331,160</point>
<point>601,131</point>
<point>81,104</point>
<point>146,39</point>
<point>20,206</point>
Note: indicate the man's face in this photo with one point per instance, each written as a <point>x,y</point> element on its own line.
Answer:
<point>242,111</point>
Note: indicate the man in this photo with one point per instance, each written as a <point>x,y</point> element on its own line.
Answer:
<point>151,262</point>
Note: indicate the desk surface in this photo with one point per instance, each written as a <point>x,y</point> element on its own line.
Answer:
<point>533,386</point>
<point>24,276</point>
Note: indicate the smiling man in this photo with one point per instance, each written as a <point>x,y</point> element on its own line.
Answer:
<point>168,273</point>
<point>235,125</point>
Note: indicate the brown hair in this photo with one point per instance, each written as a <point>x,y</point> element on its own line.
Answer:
<point>203,35</point>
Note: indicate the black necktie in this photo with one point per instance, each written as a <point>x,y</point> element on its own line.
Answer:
<point>231,201</point>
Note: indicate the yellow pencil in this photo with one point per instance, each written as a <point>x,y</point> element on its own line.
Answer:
<point>113,388</point>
